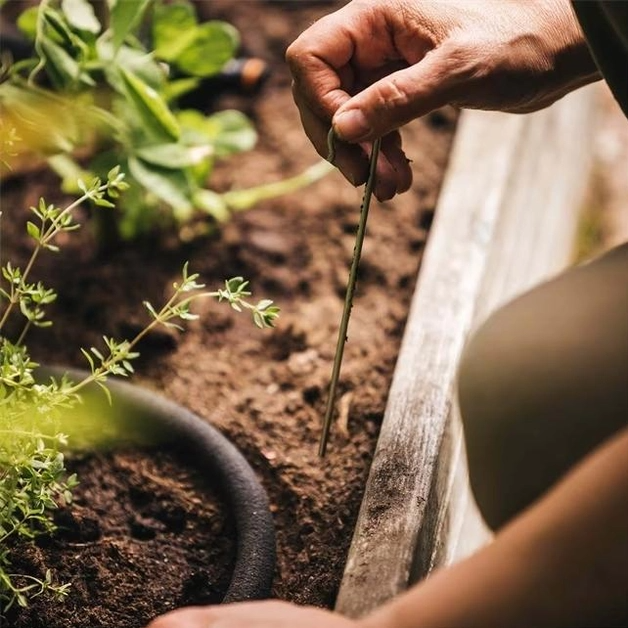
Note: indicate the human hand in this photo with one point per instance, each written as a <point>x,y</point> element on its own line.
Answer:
<point>271,614</point>
<point>374,65</point>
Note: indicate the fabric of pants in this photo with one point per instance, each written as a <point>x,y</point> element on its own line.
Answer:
<point>543,382</point>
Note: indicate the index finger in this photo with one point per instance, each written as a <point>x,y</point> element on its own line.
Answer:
<point>319,60</point>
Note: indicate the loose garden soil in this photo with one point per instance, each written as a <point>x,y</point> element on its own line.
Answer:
<point>145,536</point>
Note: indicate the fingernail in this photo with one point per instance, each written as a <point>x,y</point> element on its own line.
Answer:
<point>351,126</point>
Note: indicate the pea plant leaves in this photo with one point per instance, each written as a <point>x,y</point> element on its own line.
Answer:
<point>124,17</point>
<point>125,95</point>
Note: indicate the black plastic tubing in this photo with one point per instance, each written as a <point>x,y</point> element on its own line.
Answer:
<point>212,453</point>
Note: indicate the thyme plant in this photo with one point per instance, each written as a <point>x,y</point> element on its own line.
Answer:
<point>33,477</point>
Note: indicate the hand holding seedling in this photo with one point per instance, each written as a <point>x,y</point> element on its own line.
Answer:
<point>372,66</point>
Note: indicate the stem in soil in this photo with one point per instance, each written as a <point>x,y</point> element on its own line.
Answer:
<point>353,273</point>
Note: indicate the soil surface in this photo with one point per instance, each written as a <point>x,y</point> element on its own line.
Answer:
<point>144,535</point>
<point>265,390</point>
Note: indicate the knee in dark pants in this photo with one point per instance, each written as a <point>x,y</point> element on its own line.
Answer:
<point>486,400</point>
<point>543,382</point>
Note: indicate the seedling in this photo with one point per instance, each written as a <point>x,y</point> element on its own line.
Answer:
<point>353,276</point>
<point>33,477</point>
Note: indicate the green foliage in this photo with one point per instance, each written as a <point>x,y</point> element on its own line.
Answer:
<point>34,415</point>
<point>99,86</point>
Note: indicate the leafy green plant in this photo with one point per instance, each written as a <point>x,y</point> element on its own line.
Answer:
<point>109,85</point>
<point>33,438</point>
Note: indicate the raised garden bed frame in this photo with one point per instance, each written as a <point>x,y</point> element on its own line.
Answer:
<point>506,219</point>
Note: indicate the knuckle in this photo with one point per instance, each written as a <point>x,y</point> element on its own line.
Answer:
<point>467,57</point>
<point>293,53</point>
<point>392,95</point>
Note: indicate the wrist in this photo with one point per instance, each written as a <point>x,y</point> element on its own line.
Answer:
<point>572,58</point>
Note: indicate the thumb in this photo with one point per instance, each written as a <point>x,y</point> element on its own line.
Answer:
<point>395,100</point>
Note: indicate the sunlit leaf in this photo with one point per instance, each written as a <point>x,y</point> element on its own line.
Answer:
<point>140,63</point>
<point>60,28</point>
<point>213,45</point>
<point>80,14</point>
<point>152,109</point>
<point>125,14</point>
<point>173,28</point>
<point>62,68</point>
<point>232,132</point>
<point>170,186</point>
<point>174,155</point>
<point>178,87</point>
<point>27,22</point>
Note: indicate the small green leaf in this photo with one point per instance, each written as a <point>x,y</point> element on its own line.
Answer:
<point>124,15</point>
<point>151,309</point>
<point>232,132</point>
<point>170,186</point>
<point>263,304</point>
<point>106,391</point>
<point>59,27</point>
<point>80,14</point>
<point>258,320</point>
<point>178,87</point>
<point>174,155</point>
<point>89,359</point>
<point>33,230</point>
<point>27,22</point>
<point>102,202</point>
<point>174,28</point>
<point>153,111</point>
<point>62,68</point>
<point>213,45</point>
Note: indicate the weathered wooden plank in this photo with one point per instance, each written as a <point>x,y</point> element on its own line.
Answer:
<point>480,250</point>
<point>534,238</point>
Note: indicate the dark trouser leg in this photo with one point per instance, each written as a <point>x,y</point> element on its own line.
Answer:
<point>543,382</point>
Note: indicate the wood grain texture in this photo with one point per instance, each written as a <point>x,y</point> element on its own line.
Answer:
<point>505,219</point>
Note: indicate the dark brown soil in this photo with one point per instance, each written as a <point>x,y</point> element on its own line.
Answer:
<point>144,535</point>
<point>265,390</point>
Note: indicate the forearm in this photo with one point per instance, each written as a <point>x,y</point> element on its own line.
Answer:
<point>562,563</point>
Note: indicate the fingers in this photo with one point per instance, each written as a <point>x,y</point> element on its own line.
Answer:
<point>393,175</point>
<point>322,62</point>
<point>393,172</point>
<point>269,614</point>
<point>191,617</point>
<point>351,160</point>
<point>319,61</point>
<point>393,101</point>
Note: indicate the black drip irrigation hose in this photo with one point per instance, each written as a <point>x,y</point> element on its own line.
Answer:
<point>212,453</point>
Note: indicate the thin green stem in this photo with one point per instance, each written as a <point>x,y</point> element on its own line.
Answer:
<point>162,317</point>
<point>353,274</point>
<point>45,238</point>
<point>20,340</point>
<point>38,37</point>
